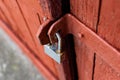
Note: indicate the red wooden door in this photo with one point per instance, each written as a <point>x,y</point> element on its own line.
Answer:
<point>95,56</point>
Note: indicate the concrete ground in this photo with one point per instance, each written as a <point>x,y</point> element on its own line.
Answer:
<point>14,65</point>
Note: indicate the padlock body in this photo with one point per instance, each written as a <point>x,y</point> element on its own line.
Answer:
<point>51,53</point>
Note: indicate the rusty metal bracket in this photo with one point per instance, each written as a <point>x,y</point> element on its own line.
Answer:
<point>42,32</point>
<point>68,24</point>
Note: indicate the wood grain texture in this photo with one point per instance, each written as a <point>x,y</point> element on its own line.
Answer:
<point>109,25</point>
<point>84,58</point>
<point>109,30</point>
<point>34,17</point>
<point>86,11</point>
<point>14,10</point>
<point>103,71</point>
<point>8,16</point>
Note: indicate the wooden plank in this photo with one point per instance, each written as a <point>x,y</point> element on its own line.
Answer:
<point>109,25</point>
<point>87,11</point>
<point>8,17</point>
<point>19,20</point>
<point>2,16</point>
<point>85,60</point>
<point>35,17</point>
<point>103,71</point>
<point>108,29</point>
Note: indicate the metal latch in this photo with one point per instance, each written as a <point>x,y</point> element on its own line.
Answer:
<point>68,24</point>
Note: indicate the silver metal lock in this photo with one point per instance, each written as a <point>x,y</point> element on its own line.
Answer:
<point>55,50</point>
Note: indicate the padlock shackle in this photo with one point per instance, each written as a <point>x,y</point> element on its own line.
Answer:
<point>59,42</point>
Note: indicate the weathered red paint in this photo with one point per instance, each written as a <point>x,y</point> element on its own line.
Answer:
<point>105,71</point>
<point>22,31</point>
<point>95,58</point>
<point>108,29</point>
<point>87,11</point>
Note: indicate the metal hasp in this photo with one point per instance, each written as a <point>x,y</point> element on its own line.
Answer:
<point>54,50</point>
<point>68,24</point>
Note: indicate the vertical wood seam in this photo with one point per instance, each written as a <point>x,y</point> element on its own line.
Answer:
<point>99,11</point>
<point>93,69</point>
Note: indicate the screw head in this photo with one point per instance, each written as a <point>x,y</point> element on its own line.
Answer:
<point>44,18</point>
<point>80,35</point>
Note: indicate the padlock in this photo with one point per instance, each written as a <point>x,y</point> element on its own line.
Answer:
<point>54,50</point>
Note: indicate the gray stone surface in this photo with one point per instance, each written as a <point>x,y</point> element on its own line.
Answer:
<point>14,65</point>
